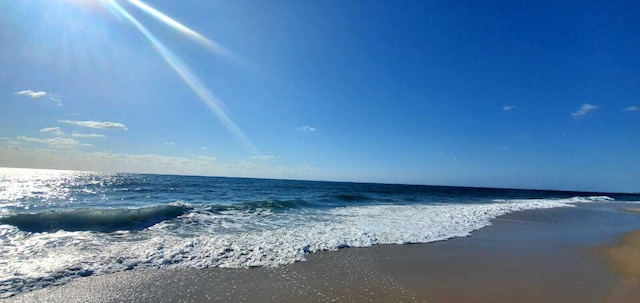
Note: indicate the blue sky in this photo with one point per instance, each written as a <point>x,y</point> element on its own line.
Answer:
<point>536,94</point>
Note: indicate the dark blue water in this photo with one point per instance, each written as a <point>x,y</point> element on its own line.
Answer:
<point>39,190</point>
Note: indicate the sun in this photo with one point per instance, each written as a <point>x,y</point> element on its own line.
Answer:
<point>83,28</point>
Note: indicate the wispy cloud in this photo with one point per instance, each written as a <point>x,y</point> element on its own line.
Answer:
<point>96,124</point>
<point>8,141</point>
<point>30,139</point>
<point>632,109</point>
<point>57,142</point>
<point>263,157</point>
<point>52,130</point>
<point>204,148</point>
<point>507,108</point>
<point>82,135</point>
<point>583,110</point>
<point>169,143</point>
<point>307,128</point>
<point>19,155</point>
<point>32,94</point>
<point>206,158</point>
<point>39,94</point>
<point>55,99</point>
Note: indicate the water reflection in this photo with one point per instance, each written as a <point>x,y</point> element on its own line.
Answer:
<point>23,189</point>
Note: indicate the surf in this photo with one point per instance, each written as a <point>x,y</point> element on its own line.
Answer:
<point>92,219</point>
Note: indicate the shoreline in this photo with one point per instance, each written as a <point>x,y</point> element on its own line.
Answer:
<point>530,256</point>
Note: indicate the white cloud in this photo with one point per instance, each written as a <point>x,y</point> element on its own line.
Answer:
<point>307,128</point>
<point>632,109</point>
<point>30,139</point>
<point>8,141</point>
<point>31,94</point>
<point>55,99</point>
<point>169,143</point>
<point>263,157</point>
<point>96,124</point>
<point>74,159</point>
<point>82,135</point>
<point>39,94</point>
<point>57,142</point>
<point>206,158</point>
<point>507,108</point>
<point>583,110</point>
<point>52,130</point>
<point>204,148</point>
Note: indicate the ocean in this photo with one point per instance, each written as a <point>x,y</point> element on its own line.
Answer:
<point>59,225</point>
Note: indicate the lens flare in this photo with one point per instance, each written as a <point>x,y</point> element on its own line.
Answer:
<point>218,49</point>
<point>182,69</point>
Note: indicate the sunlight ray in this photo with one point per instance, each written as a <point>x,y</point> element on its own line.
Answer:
<point>211,45</point>
<point>185,74</point>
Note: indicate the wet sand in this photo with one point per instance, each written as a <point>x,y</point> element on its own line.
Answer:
<point>532,256</point>
<point>633,209</point>
<point>624,255</point>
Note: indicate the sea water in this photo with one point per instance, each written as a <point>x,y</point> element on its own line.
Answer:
<point>59,225</point>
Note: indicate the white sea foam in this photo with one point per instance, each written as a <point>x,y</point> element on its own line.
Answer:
<point>591,199</point>
<point>238,238</point>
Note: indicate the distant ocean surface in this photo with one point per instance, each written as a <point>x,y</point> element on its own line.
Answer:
<point>58,225</point>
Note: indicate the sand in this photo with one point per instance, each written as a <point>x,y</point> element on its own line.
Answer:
<point>632,209</point>
<point>624,255</point>
<point>532,256</point>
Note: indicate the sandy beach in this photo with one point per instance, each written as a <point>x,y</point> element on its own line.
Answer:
<point>586,253</point>
<point>624,255</point>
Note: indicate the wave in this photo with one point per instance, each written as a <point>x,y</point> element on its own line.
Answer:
<point>274,204</point>
<point>278,204</point>
<point>91,219</point>
<point>230,236</point>
<point>591,199</point>
<point>271,204</point>
<point>110,220</point>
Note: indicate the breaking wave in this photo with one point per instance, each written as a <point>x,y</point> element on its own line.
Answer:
<point>91,219</point>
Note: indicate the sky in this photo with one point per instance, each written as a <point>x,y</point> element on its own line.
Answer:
<point>515,94</point>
